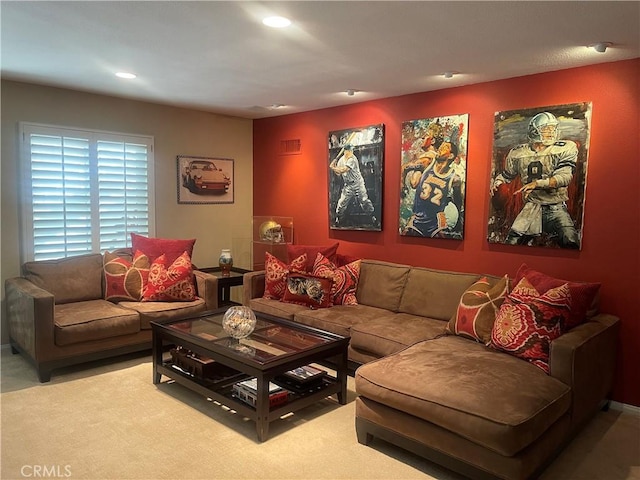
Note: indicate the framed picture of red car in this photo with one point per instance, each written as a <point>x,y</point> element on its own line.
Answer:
<point>204,180</point>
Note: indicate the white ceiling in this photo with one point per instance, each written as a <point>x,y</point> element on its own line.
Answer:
<point>218,57</point>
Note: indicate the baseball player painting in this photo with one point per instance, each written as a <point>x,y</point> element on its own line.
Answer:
<point>355,183</point>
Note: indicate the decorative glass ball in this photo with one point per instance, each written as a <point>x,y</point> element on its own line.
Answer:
<point>239,321</point>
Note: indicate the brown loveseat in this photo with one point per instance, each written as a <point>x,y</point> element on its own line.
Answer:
<point>58,316</point>
<point>459,403</point>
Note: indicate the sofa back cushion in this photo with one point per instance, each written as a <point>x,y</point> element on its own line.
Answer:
<point>381,284</point>
<point>72,279</point>
<point>434,293</point>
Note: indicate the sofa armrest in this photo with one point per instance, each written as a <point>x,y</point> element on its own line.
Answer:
<point>253,285</point>
<point>30,315</point>
<point>585,359</point>
<point>207,287</point>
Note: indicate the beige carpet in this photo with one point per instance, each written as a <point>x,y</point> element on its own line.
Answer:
<point>108,421</point>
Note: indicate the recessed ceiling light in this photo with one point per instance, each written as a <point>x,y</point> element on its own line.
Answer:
<point>125,75</point>
<point>351,92</point>
<point>449,74</point>
<point>276,22</point>
<point>600,47</point>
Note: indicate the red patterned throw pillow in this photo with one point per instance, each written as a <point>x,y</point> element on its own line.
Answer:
<point>276,272</point>
<point>329,251</point>
<point>124,279</point>
<point>308,290</point>
<point>345,279</point>
<point>528,322</point>
<point>584,296</point>
<point>477,310</point>
<point>170,284</point>
<point>154,247</point>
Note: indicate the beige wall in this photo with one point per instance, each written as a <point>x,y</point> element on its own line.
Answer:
<point>176,131</point>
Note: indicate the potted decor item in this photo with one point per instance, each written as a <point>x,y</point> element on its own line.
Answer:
<point>225,262</point>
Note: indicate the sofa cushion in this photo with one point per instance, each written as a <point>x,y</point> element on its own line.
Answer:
<point>80,322</point>
<point>308,290</point>
<point>344,279</point>
<point>125,279</point>
<point>276,272</point>
<point>528,321</point>
<point>276,307</point>
<point>294,251</point>
<point>381,284</point>
<point>490,398</point>
<point>156,311</point>
<point>339,318</point>
<point>170,282</point>
<point>172,248</point>
<point>584,296</point>
<point>389,334</point>
<point>434,293</point>
<point>71,279</point>
<point>477,310</point>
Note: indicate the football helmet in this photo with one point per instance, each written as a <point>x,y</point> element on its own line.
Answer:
<point>543,128</point>
<point>271,231</point>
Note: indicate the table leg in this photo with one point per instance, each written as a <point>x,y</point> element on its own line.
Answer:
<point>224,294</point>
<point>262,408</point>
<point>341,374</point>
<point>157,357</point>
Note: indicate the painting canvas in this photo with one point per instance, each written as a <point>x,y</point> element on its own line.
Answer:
<point>204,180</point>
<point>539,176</point>
<point>355,178</point>
<point>433,177</point>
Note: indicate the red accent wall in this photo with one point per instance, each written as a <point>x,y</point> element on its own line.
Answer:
<point>296,186</point>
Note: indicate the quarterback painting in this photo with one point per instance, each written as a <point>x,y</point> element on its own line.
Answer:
<point>538,176</point>
<point>355,178</point>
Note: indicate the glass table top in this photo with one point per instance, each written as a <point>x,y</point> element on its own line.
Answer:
<point>268,340</point>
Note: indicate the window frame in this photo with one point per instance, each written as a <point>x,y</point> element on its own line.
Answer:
<point>26,213</point>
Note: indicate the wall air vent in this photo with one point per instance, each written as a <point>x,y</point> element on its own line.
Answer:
<point>290,147</point>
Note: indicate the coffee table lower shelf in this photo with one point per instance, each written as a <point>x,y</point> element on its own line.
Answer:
<point>222,392</point>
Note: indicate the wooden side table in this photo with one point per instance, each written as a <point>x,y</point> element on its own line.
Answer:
<point>234,279</point>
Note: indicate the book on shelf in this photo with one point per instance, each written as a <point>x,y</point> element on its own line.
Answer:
<point>247,391</point>
<point>306,374</point>
<point>302,379</point>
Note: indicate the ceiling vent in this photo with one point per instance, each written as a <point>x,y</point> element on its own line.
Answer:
<point>290,147</point>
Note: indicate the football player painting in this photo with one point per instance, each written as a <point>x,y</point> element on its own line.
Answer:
<point>540,178</point>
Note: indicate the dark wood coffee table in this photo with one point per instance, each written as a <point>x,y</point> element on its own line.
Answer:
<point>275,347</point>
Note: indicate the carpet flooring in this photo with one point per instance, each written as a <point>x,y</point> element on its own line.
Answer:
<point>106,420</point>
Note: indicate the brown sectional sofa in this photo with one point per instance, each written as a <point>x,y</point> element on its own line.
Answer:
<point>57,314</point>
<point>473,409</point>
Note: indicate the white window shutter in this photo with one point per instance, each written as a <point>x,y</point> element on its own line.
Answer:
<point>83,191</point>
